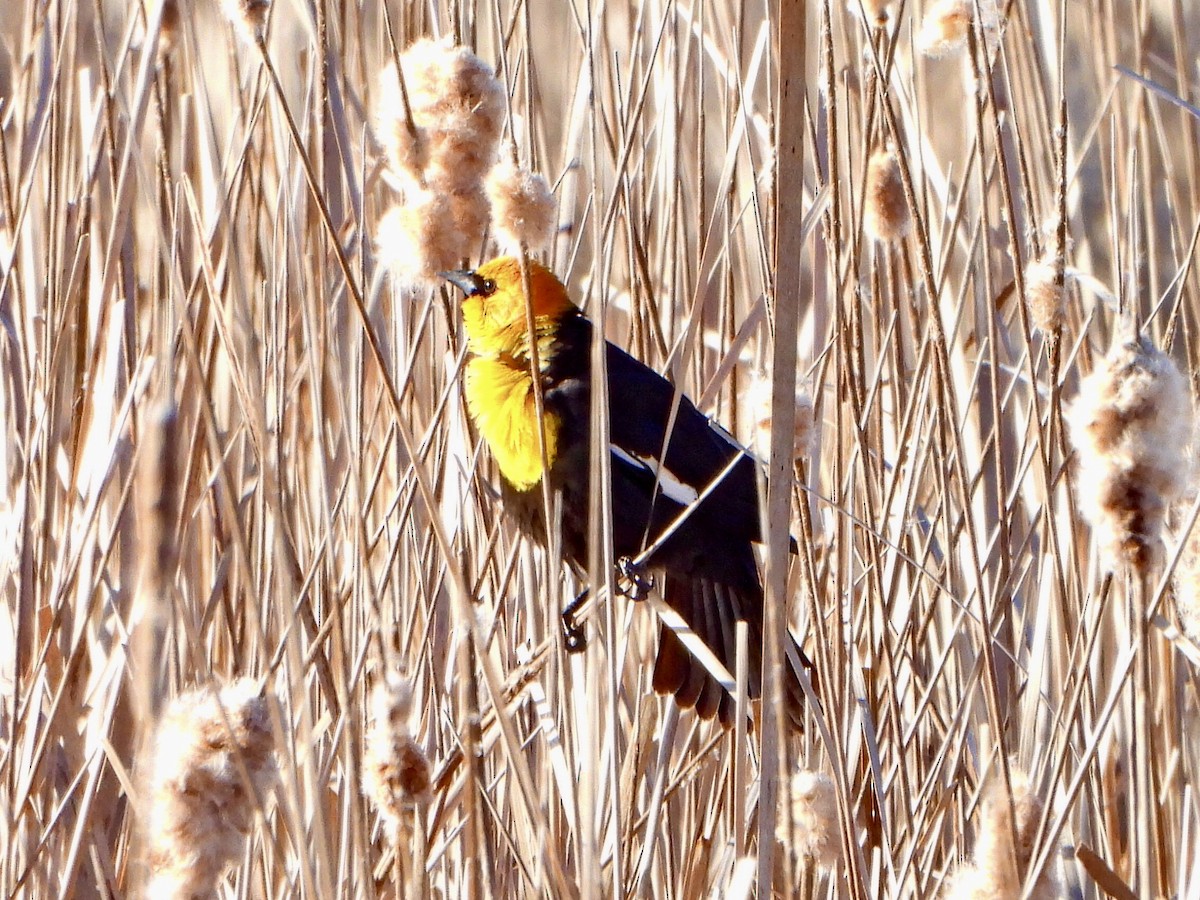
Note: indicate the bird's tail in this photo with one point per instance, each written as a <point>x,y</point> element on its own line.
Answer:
<point>711,610</point>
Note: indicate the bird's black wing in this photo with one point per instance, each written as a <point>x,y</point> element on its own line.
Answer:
<point>665,452</point>
<point>665,457</point>
<point>653,425</point>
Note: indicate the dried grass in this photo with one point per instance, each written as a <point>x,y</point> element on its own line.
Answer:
<point>195,231</point>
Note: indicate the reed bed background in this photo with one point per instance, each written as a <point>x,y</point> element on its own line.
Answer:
<point>235,448</point>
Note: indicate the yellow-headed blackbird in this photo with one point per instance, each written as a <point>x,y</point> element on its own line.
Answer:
<point>667,459</point>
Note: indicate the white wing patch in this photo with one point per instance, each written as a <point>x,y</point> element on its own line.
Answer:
<point>617,451</point>
<point>669,483</point>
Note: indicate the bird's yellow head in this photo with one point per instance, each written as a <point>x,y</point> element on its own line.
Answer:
<point>494,311</point>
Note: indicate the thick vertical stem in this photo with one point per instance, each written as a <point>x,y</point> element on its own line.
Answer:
<point>790,51</point>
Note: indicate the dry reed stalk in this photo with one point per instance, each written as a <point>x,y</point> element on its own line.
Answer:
<point>941,574</point>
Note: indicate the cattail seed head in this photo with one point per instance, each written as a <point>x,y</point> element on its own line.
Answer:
<point>405,144</point>
<point>885,215</point>
<point>438,147</point>
<point>970,883</point>
<point>875,9</point>
<point>158,495</point>
<point>945,27</point>
<point>248,17</point>
<point>470,213</point>
<point>1004,845</point>
<point>168,30</point>
<point>523,208</point>
<point>1007,829</point>
<point>418,239</point>
<point>457,108</point>
<point>1131,425</point>
<point>805,435</point>
<point>1044,294</point>
<point>814,825</point>
<point>202,807</point>
<point>397,777</point>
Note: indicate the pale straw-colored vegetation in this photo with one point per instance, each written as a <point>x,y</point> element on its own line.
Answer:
<point>265,629</point>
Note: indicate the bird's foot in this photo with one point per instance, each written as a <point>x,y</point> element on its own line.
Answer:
<point>632,581</point>
<point>574,637</point>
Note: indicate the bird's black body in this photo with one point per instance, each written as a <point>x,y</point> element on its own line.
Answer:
<point>706,569</point>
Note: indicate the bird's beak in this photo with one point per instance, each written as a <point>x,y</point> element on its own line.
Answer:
<point>465,280</point>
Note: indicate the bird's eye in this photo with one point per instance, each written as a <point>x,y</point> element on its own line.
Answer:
<point>489,287</point>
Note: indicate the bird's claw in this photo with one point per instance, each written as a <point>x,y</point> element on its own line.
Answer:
<point>574,636</point>
<point>631,580</point>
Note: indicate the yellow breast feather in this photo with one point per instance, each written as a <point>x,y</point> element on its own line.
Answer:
<point>500,400</point>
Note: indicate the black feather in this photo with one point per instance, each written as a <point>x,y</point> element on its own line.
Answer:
<point>707,568</point>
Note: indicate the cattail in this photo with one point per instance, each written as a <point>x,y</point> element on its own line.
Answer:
<point>814,826</point>
<point>1131,425</point>
<point>417,240</point>
<point>970,883</point>
<point>1187,587</point>
<point>457,96</point>
<point>805,434</point>
<point>1004,845</point>
<point>168,29</point>
<point>202,806</point>
<point>248,18</point>
<point>945,27</point>
<point>885,215</point>
<point>875,9</point>
<point>405,144</point>
<point>457,108</point>
<point>158,495</point>
<point>1007,828</point>
<point>438,148</point>
<point>522,207</point>
<point>470,213</point>
<point>1044,294</point>
<point>396,772</point>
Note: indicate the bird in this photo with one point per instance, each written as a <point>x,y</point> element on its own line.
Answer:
<point>682,487</point>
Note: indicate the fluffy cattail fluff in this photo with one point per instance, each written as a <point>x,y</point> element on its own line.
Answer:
<point>1187,587</point>
<point>396,772</point>
<point>202,806</point>
<point>416,240</point>
<point>405,143</point>
<point>470,212</point>
<point>805,435</point>
<point>523,208</point>
<point>1131,425</point>
<point>1044,293</point>
<point>945,27</point>
<point>248,17</point>
<point>457,106</point>
<point>885,216</point>
<point>875,9</point>
<point>439,157</point>
<point>1004,846</point>
<point>813,831</point>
